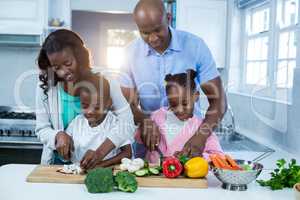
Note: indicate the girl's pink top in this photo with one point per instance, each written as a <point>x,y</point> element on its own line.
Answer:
<point>212,145</point>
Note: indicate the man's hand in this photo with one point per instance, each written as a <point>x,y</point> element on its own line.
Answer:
<point>215,93</point>
<point>150,134</point>
<point>90,160</point>
<point>64,145</point>
<point>195,145</point>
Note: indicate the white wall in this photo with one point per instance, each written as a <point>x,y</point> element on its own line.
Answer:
<point>121,6</point>
<point>92,27</point>
<point>13,63</point>
<point>206,19</point>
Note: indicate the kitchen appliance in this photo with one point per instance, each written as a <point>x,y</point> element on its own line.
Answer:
<point>18,142</point>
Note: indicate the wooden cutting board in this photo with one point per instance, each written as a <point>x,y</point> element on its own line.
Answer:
<point>48,174</point>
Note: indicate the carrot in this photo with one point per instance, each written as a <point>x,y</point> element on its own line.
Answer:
<point>222,162</point>
<point>214,161</point>
<point>232,162</point>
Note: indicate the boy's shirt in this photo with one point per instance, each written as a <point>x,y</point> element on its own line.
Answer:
<point>90,138</point>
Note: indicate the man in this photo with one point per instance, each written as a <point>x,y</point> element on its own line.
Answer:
<point>162,50</point>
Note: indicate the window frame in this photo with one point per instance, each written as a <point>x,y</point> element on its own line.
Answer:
<point>273,51</point>
<point>245,40</point>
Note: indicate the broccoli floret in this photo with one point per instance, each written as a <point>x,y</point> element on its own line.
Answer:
<point>126,182</point>
<point>99,180</point>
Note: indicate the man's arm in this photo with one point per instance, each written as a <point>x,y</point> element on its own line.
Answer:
<point>150,132</point>
<point>133,100</point>
<point>217,103</point>
<point>215,93</point>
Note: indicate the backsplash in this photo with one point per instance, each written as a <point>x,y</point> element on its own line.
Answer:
<point>16,62</point>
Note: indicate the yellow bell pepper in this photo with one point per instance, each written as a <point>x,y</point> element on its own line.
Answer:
<point>196,167</point>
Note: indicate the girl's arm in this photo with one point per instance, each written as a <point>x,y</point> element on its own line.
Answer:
<point>126,152</point>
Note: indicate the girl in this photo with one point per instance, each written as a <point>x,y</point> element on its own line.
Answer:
<point>62,59</point>
<point>177,123</point>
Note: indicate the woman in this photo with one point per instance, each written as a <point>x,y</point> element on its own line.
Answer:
<point>62,59</point>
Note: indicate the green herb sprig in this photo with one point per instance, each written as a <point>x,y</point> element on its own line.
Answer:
<point>283,176</point>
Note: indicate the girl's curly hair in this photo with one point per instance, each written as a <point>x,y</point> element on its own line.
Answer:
<point>56,42</point>
<point>186,80</point>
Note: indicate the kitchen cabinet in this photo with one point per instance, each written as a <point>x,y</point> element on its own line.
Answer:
<point>58,15</point>
<point>206,19</point>
<point>24,17</point>
<point>19,18</point>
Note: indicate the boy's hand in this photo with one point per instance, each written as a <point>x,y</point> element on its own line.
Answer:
<point>89,160</point>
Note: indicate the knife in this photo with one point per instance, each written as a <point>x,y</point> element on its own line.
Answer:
<point>161,155</point>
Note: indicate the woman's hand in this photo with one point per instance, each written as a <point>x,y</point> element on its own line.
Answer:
<point>150,134</point>
<point>90,160</point>
<point>64,145</point>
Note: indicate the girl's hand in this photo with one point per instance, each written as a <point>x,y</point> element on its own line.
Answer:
<point>64,145</point>
<point>90,160</point>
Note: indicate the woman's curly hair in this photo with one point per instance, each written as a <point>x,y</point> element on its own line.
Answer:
<point>56,42</point>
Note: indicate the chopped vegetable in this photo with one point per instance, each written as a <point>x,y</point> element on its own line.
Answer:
<point>154,171</point>
<point>171,167</point>
<point>142,172</point>
<point>71,169</point>
<point>133,168</point>
<point>147,171</point>
<point>283,176</point>
<point>126,182</point>
<point>138,162</point>
<point>99,180</point>
<point>132,165</point>
<point>125,161</point>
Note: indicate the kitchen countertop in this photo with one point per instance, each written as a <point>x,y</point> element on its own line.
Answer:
<point>14,187</point>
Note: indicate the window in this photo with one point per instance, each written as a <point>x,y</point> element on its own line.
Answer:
<point>117,39</point>
<point>257,36</point>
<point>270,48</point>
<point>287,19</point>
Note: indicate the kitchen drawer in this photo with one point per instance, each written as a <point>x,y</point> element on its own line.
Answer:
<point>20,156</point>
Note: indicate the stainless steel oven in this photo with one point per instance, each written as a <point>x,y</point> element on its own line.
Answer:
<point>18,142</point>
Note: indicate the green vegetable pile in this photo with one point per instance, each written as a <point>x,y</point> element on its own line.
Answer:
<point>126,182</point>
<point>102,180</point>
<point>283,176</point>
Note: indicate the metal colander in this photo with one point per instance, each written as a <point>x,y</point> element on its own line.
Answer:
<point>238,179</point>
